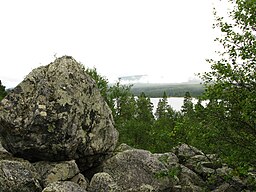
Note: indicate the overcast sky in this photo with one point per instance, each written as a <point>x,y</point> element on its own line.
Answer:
<point>164,39</point>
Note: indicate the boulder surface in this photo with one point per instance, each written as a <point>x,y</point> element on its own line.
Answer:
<point>51,172</point>
<point>131,169</point>
<point>63,186</point>
<point>56,114</point>
<point>18,175</point>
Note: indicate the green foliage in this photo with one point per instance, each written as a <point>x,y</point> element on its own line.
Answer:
<point>144,109</point>
<point>2,91</point>
<point>188,105</point>
<point>171,174</point>
<point>231,85</point>
<point>120,98</point>
<point>102,82</point>
<point>162,107</point>
<point>163,130</point>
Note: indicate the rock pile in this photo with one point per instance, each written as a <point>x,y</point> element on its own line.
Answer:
<point>185,168</point>
<point>58,136</point>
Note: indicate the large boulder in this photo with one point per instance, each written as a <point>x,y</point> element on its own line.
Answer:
<point>56,114</point>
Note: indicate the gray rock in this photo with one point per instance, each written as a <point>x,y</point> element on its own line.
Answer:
<point>2,150</point>
<point>103,182</point>
<point>81,181</point>
<point>185,152</point>
<point>3,153</point>
<point>225,187</point>
<point>203,165</point>
<point>224,171</point>
<point>63,186</point>
<point>56,114</point>
<point>192,188</point>
<point>131,169</point>
<point>168,159</point>
<point>123,147</point>
<point>56,171</point>
<point>146,188</point>
<point>17,175</point>
<point>190,180</point>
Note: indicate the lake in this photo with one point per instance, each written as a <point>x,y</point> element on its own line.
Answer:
<point>174,102</point>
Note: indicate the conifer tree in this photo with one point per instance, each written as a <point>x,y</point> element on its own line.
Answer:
<point>162,107</point>
<point>188,105</point>
<point>144,109</point>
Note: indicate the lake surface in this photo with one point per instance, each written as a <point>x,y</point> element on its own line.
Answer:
<point>174,102</point>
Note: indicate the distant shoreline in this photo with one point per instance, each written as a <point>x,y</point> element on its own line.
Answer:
<point>157,90</point>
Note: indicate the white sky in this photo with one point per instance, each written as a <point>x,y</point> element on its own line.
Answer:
<point>165,39</point>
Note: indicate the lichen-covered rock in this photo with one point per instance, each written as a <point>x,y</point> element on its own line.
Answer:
<point>185,152</point>
<point>168,159</point>
<point>17,175</point>
<point>123,147</point>
<point>190,181</point>
<point>146,188</point>
<point>80,180</point>
<point>56,114</point>
<point>103,182</point>
<point>3,153</point>
<point>56,171</point>
<point>131,169</point>
<point>63,186</point>
<point>2,150</point>
<point>203,165</point>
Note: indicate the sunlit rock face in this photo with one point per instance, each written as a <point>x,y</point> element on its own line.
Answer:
<point>56,113</point>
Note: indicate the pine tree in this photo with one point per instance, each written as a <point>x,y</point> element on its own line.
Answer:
<point>162,107</point>
<point>144,109</point>
<point>188,105</point>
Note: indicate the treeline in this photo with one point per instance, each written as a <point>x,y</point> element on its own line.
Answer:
<point>172,90</point>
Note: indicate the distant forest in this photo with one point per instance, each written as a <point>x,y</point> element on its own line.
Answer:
<point>172,90</point>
